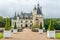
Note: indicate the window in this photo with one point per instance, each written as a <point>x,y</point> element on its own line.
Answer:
<point>21,25</point>
<point>36,19</point>
<point>21,21</point>
<point>26,18</point>
<point>30,21</point>
<point>31,25</point>
<point>26,21</point>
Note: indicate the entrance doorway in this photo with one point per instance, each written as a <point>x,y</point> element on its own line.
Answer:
<point>26,25</point>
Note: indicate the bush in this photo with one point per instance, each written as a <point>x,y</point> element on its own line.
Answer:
<point>35,29</point>
<point>51,26</point>
<point>36,26</point>
<point>46,23</point>
<point>57,26</point>
<point>15,27</point>
<point>56,23</point>
<point>7,25</point>
<point>41,26</point>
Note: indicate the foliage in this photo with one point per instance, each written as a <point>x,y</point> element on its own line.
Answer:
<point>15,27</point>
<point>46,23</point>
<point>36,26</point>
<point>1,21</point>
<point>51,25</point>
<point>56,23</point>
<point>41,26</point>
<point>7,25</point>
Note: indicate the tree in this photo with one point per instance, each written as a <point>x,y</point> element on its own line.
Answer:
<point>36,26</point>
<point>7,25</point>
<point>46,23</point>
<point>57,26</point>
<point>51,25</point>
<point>41,26</point>
<point>15,27</point>
<point>1,19</point>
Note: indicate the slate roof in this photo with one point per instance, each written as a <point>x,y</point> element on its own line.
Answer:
<point>23,16</point>
<point>35,8</point>
<point>28,15</point>
<point>38,10</point>
<point>15,17</point>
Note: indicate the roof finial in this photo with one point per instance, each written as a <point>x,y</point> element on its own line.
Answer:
<point>35,7</point>
<point>15,13</point>
<point>38,4</point>
<point>18,15</point>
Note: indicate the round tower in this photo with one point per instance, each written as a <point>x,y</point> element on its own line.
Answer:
<point>34,12</point>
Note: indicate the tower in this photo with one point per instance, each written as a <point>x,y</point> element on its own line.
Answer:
<point>34,12</point>
<point>37,16</point>
<point>40,16</point>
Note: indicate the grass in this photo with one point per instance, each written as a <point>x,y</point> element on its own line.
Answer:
<point>1,35</point>
<point>58,35</point>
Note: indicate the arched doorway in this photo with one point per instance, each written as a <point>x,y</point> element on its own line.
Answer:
<point>26,25</point>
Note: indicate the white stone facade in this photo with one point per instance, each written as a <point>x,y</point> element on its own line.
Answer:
<point>31,20</point>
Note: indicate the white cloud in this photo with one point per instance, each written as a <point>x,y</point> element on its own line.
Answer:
<point>50,7</point>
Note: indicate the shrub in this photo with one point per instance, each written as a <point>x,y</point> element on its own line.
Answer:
<point>15,27</point>
<point>41,26</point>
<point>7,25</point>
<point>36,26</point>
<point>46,23</point>
<point>51,26</point>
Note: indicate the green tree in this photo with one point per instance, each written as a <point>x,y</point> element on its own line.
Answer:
<point>41,26</point>
<point>36,26</point>
<point>46,23</point>
<point>51,25</point>
<point>7,25</point>
<point>1,19</point>
<point>15,27</point>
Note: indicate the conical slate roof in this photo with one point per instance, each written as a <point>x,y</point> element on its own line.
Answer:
<point>35,8</point>
<point>14,18</point>
<point>38,10</point>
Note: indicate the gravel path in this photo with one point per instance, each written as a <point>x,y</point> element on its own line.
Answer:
<point>27,34</point>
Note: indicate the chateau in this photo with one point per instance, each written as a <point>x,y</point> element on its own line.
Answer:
<point>29,19</point>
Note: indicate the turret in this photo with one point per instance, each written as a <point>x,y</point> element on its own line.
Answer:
<point>18,17</point>
<point>34,11</point>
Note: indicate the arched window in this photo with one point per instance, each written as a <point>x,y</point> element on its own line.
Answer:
<point>26,21</point>
<point>30,21</point>
<point>21,21</point>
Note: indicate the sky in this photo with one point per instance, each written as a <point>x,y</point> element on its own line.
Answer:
<point>50,8</point>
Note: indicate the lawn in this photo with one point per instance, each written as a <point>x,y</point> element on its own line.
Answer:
<point>1,35</point>
<point>58,35</point>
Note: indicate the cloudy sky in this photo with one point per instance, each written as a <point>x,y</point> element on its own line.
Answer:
<point>50,8</point>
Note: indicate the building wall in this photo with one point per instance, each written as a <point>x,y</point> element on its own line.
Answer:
<point>22,22</point>
<point>34,13</point>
